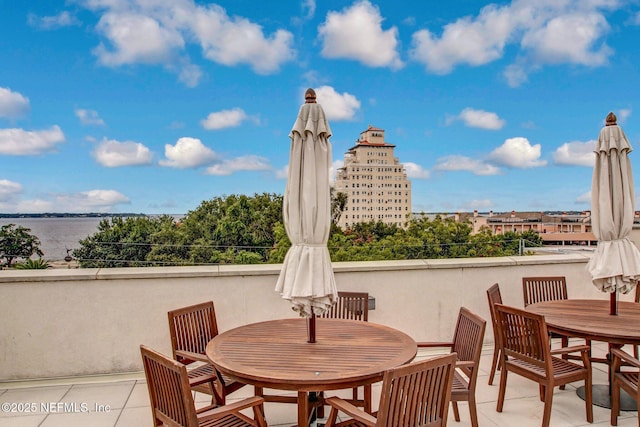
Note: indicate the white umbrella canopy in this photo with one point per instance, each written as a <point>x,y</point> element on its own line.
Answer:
<point>615,264</point>
<point>306,278</point>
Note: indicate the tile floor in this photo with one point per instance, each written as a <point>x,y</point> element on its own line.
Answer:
<point>122,401</point>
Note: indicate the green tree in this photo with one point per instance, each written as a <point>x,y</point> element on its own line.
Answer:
<point>119,242</point>
<point>17,242</point>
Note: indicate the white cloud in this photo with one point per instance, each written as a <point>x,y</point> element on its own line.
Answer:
<point>9,190</point>
<point>569,38</point>
<point>243,163</point>
<point>89,117</point>
<point>545,32</point>
<point>13,104</point>
<point>224,119</point>
<point>416,171</point>
<point>112,153</point>
<point>576,153</point>
<point>623,115</point>
<point>481,119</point>
<point>233,41</point>
<point>309,8</point>
<point>283,173</point>
<point>81,202</point>
<point>136,38</point>
<point>518,153</point>
<point>479,204</point>
<point>154,32</point>
<point>337,106</point>
<point>187,153</point>
<point>584,198</point>
<point>463,163</point>
<point>89,201</point>
<point>20,142</point>
<point>337,164</point>
<point>63,19</point>
<point>466,41</point>
<point>356,33</point>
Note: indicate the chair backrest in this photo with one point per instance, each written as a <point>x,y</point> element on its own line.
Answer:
<point>524,336</point>
<point>417,394</point>
<point>495,297</point>
<point>191,328</point>
<point>169,391</point>
<point>468,339</point>
<point>537,289</point>
<point>350,305</point>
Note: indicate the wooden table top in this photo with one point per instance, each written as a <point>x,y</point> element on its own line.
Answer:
<point>276,354</point>
<point>590,319</point>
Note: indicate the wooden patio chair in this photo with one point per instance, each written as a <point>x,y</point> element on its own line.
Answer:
<point>626,380</point>
<point>413,395</point>
<point>172,402</point>
<point>551,288</point>
<point>191,328</point>
<point>495,297</point>
<point>526,351</point>
<point>350,306</point>
<point>467,345</point>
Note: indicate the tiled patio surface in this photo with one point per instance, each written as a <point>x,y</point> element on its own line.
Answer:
<point>128,403</point>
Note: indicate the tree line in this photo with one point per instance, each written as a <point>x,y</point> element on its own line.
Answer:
<point>240,229</point>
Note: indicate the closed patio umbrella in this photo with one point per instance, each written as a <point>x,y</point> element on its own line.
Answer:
<point>306,278</point>
<point>615,264</point>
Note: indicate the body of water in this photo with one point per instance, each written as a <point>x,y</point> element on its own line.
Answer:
<point>57,234</point>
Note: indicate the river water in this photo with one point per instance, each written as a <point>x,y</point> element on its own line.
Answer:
<point>57,234</point>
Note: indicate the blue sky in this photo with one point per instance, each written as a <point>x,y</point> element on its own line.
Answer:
<point>153,106</point>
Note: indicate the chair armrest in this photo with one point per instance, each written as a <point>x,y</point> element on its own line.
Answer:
<point>434,344</point>
<point>231,408</point>
<point>465,364</point>
<point>351,410</point>
<point>193,356</point>
<point>572,349</point>
<point>625,357</point>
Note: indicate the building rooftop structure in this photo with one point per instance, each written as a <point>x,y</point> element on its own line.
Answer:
<point>374,182</point>
<point>71,336</point>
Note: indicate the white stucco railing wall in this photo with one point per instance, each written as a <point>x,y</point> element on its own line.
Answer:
<point>76,322</point>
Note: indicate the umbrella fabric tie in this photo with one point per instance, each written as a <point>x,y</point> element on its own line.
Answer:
<point>310,245</point>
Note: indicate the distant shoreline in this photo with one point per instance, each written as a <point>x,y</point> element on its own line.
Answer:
<point>71,215</point>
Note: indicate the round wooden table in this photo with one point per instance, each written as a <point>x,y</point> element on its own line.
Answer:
<point>590,319</point>
<point>275,354</point>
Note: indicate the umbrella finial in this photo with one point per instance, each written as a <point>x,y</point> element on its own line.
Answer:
<point>310,96</point>
<point>611,119</point>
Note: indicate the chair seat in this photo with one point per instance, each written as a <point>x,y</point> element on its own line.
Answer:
<point>203,373</point>
<point>230,420</point>
<point>460,387</point>
<point>629,378</point>
<point>562,369</point>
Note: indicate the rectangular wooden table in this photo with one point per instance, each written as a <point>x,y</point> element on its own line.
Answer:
<point>275,354</point>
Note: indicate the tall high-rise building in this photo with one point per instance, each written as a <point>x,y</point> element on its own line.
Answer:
<point>374,181</point>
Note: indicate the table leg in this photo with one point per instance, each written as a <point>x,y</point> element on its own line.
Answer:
<point>303,409</point>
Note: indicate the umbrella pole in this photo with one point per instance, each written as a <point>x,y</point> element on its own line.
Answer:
<point>312,327</point>
<point>613,303</point>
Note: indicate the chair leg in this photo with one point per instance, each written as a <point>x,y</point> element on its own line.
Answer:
<point>456,413</point>
<point>548,402</point>
<point>588,397</point>
<point>473,411</point>
<point>503,386</point>
<point>494,363</point>
<point>615,404</point>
